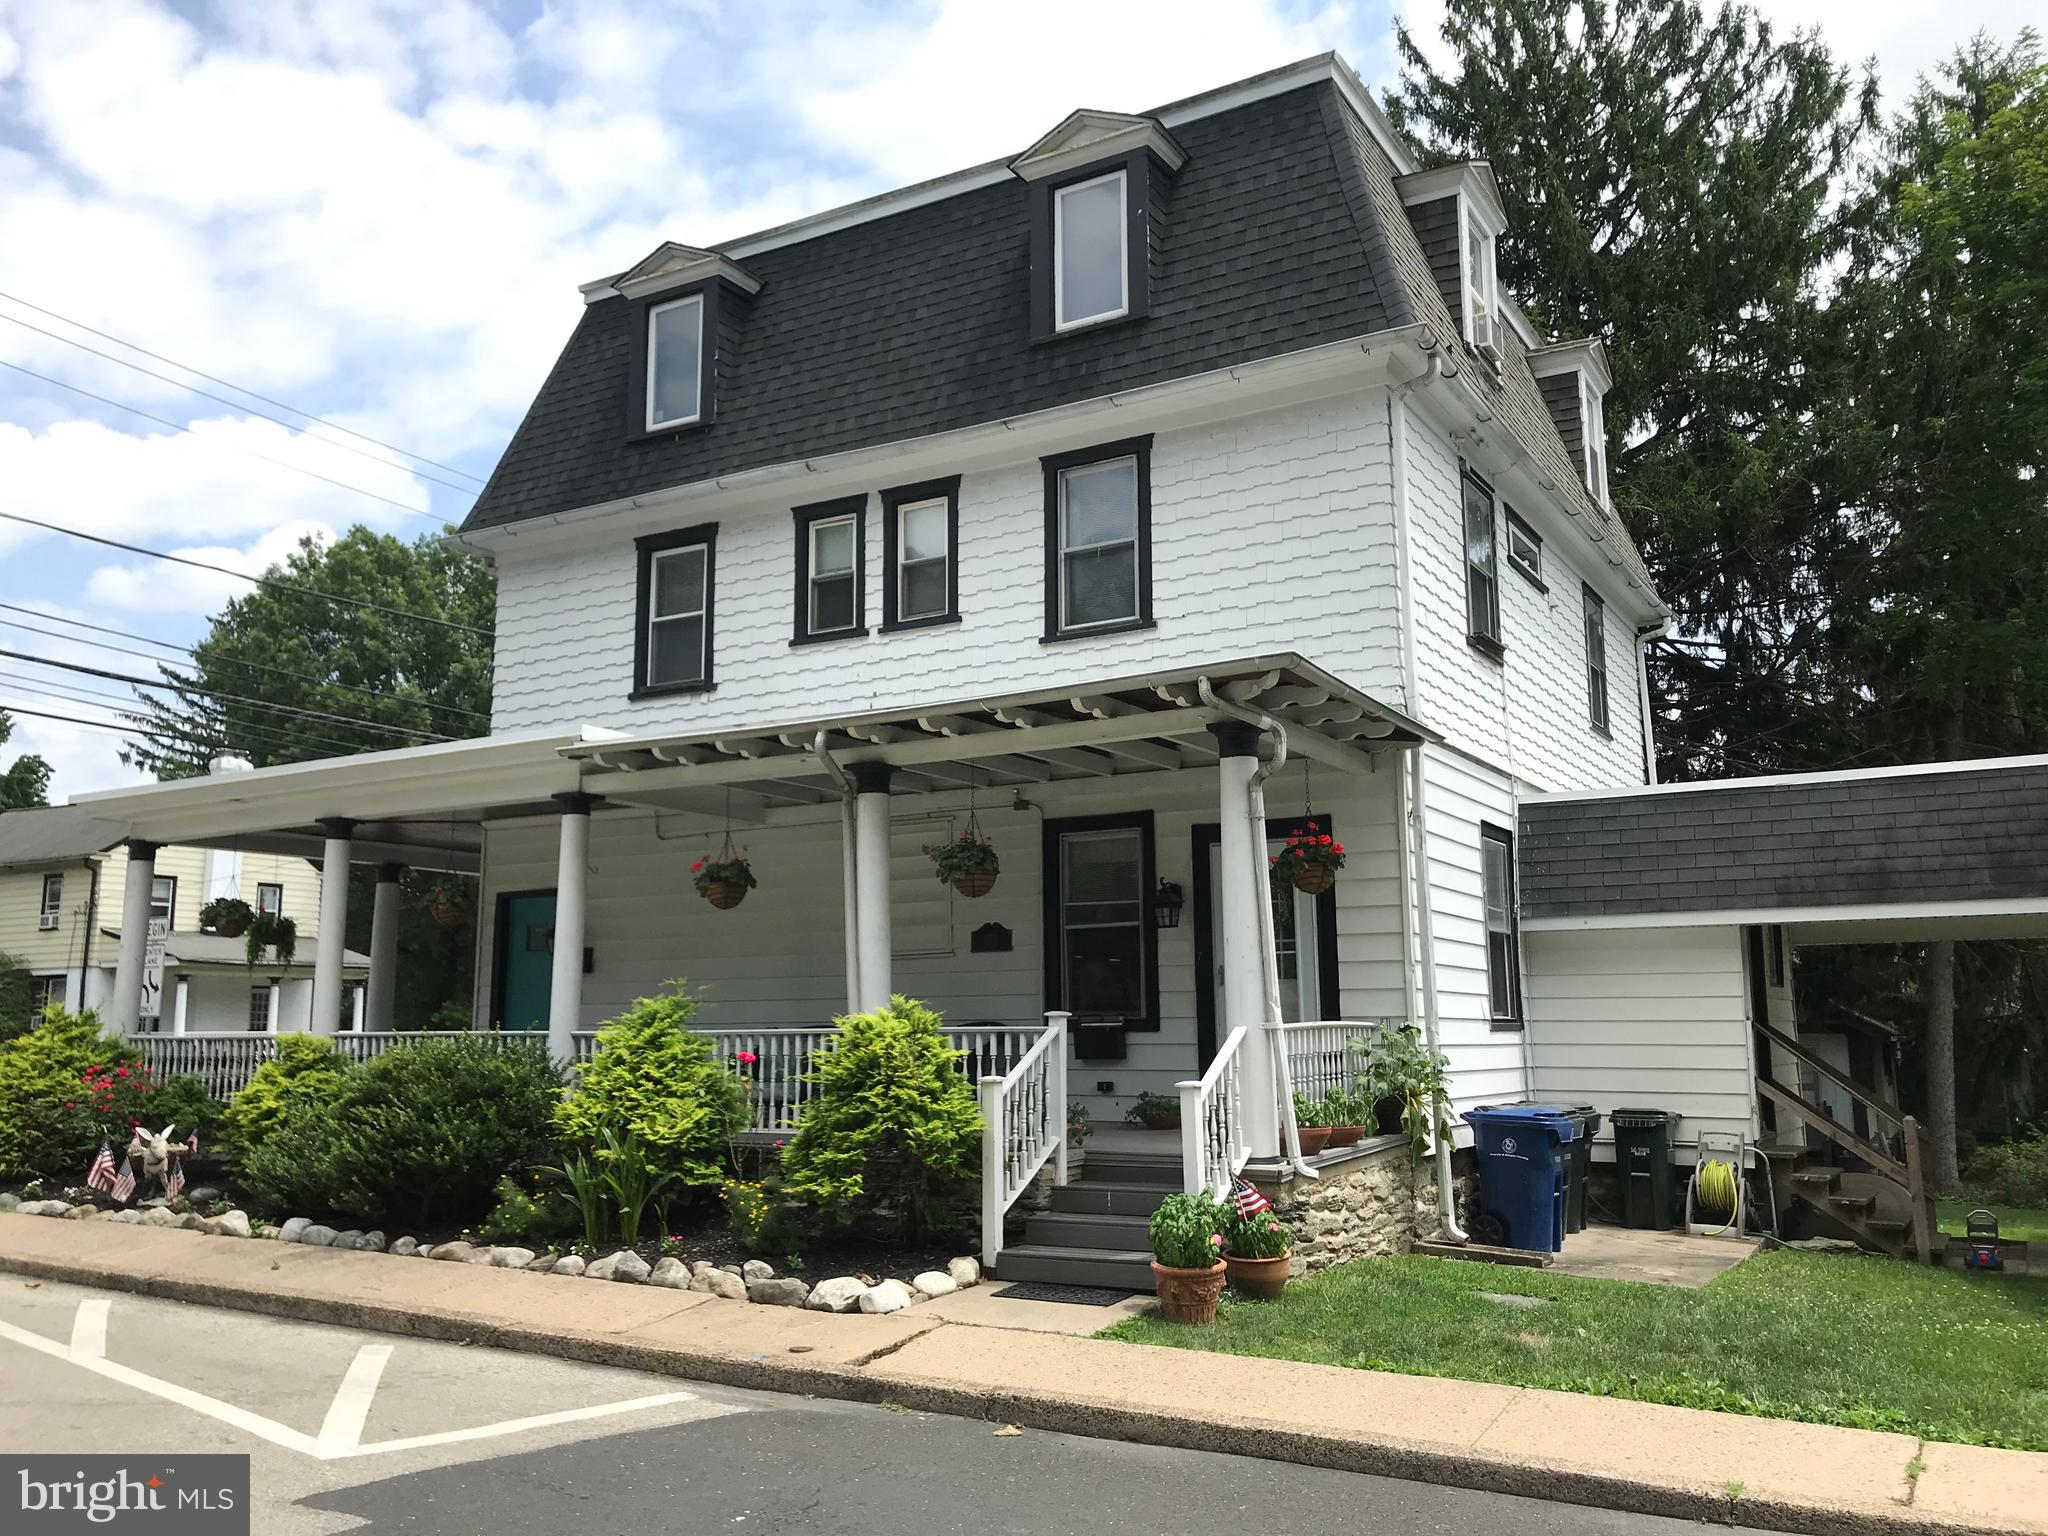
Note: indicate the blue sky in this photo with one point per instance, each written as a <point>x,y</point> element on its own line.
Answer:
<point>379,211</point>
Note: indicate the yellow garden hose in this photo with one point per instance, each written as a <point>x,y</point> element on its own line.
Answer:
<point>1719,1189</point>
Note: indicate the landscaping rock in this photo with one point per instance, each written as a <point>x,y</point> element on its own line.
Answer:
<point>964,1272</point>
<point>81,1212</point>
<point>840,1294</point>
<point>317,1236</point>
<point>510,1258</point>
<point>203,1194</point>
<point>371,1242</point>
<point>778,1293</point>
<point>736,1269</point>
<point>720,1282</point>
<point>888,1296</point>
<point>701,1267</point>
<point>569,1264</point>
<point>672,1273</point>
<point>625,1266</point>
<point>234,1224</point>
<point>8,1201</point>
<point>160,1216</point>
<point>191,1221</point>
<point>406,1247</point>
<point>293,1229</point>
<point>43,1207</point>
<point>456,1253</point>
<point>544,1265</point>
<point>756,1269</point>
<point>933,1282</point>
<point>348,1241</point>
<point>126,1218</point>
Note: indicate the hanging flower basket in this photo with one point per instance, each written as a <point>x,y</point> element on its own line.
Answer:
<point>725,880</point>
<point>1310,860</point>
<point>226,916</point>
<point>968,863</point>
<point>444,905</point>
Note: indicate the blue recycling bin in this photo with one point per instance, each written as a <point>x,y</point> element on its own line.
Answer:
<point>1524,1153</point>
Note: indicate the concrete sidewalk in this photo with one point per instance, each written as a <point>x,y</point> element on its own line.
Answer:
<point>1601,1451</point>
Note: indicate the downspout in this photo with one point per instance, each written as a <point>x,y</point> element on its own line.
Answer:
<point>849,867</point>
<point>1262,902</point>
<point>1415,824</point>
<point>1644,639</point>
<point>92,920</point>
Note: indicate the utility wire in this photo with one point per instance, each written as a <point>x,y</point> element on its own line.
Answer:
<point>176,426</point>
<point>112,728</point>
<point>237,405</point>
<point>229,384</point>
<point>232,661</point>
<point>264,737</point>
<point>271,582</point>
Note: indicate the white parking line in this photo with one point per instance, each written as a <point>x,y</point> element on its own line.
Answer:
<point>89,1330</point>
<point>342,1430</point>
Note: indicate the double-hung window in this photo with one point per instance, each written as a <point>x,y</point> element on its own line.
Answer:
<point>1482,567</point>
<point>673,649</point>
<point>51,911</point>
<point>675,362</point>
<point>270,898</point>
<point>45,993</point>
<point>259,1009</point>
<point>831,544</point>
<point>163,898</point>
<point>920,553</point>
<point>1596,658</point>
<point>1099,539</point>
<point>1593,421</point>
<point>1091,263</point>
<point>1102,965</point>
<point>1482,294</point>
<point>1503,944</point>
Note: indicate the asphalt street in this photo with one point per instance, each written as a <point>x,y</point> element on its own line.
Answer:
<point>366,1432</point>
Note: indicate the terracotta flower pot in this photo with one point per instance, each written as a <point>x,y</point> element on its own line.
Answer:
<point>1162,1122</point>
<point>1313,879</point>
<point>976,882</point>
<point>1313,1139</point>
<point>1387,1112</point>
<point>1188,1295</point>
<point>1260,1279</point>
<point>725,894</point>
<point>1345,1136</point>
<point>231,927</point>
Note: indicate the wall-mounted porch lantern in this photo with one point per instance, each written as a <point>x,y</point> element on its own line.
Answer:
<point>1166,905</point>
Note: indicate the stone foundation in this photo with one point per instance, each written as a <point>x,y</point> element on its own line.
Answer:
<point>1370,1201</point>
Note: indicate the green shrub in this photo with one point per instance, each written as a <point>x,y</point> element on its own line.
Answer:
<point>306,1070</point>
<point>760,1218</point>
<point>892,1140</point>
<point>41,1073</point>
<point>14,995</point>
<point>2012,1173</point>
<point>419,1135</point>
<point>655,1078</point>
<point>1186,1231</point>
<point>536,1216</point>
<point>114,1102</point>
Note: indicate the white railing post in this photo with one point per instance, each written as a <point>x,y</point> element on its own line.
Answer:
<point>1194,1134</point>
<point>994,1150</point>
<point>1056,1021</point>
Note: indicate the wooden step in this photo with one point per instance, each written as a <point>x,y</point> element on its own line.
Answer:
<point>1072,1229</point>
<point>1131,1168</point>
<point>1118,1269</point>
<point>1108,1198</point>
<point>1809,1181</point>
<point>1888,1230</point>
<point>1858,1206</point>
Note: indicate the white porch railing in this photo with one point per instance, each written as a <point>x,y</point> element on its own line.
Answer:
<point>1212,1150</point>
<point>1024,1124</point>
<point>226,1062</point>
<point>1323,1056</point>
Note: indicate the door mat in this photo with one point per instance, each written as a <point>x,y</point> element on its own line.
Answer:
<point>1076,1295</point>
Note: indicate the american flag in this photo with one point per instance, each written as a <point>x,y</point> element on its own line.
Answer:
<point>1246,1199</point>
<point>124,1181</point>
<point>174,1178</point>
<point>100,1175</point>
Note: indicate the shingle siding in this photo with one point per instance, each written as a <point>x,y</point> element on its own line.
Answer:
<point>1561,399</point>
<point>1436,231</point>
<point>1970,835</point>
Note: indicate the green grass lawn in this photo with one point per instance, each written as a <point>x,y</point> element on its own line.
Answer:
<point>1867,1342</point>
<point>2015,1221</point>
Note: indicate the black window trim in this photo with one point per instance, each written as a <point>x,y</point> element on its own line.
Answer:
<point>1488,645</point>
<point>270,885</point>
<point>637,430</point>
<point>647,548</point>
<point>1139,448</point>
<point>1137,169</point>
<point>804,518</point>
<point>172,910</point>
<point>1516,524</point>
<point>1514,1020</point>
<point>1601,719</point>
<point>1050,890</point>
<point>894,499</point>
<point>53,885</point>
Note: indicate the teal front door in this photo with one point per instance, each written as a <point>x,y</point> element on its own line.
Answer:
<point>526,959</point>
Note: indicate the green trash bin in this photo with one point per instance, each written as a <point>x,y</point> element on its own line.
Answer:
<point>1586,1123</point>
<point>1642,1159</point>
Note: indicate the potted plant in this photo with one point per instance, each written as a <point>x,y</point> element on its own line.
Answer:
<point>1187,1262</point>
<point>1310,860</point>
<point>725,880</point>
<point>1256,1254</point>
<point>1406,1083</point>
<point>226,916</point>
<point>1154,1111</point>
<point>272,931</point>
<point>444,903</point>
<point>1078,1128</point>
<point>1348,1115</point>
<point>968,863</point>
<point>1312,1124</point>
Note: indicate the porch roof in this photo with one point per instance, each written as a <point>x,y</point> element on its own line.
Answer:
<point>426,805</point>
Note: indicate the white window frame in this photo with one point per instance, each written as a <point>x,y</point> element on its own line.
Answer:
<point>1593,424</point>
<point>170,905</point>
<point>270,885</point>
<point>1499,920</point>
<point>701,613</point>
<point>1067,625</point>
<point>1467,484</point>
<point>1123,252</point>
<point>50,911</point>
<point>1593,621</point>
<point>904,562</point>
<point>1479,275</point>
<point>259,1009</point>
<point>654,360</point>
<point>1520,532</point>
<point>812,628</point>
<point>40,989</point>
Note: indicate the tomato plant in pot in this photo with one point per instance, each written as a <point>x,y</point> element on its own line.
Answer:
<point>227,916</point>
<point>724,881</point>
<point>1154,1111</point>
<point>1349,1115</point>
<point>1312,1124</point>
<point>968,863</point>
<point>1257,1252</point>
<point>1310,860</point>
<point>1187,1261</point>
<point>1406,1083</point>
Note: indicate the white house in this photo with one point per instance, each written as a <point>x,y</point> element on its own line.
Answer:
<point>1186,470</point>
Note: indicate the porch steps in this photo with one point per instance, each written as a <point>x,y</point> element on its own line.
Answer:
<point>1095,1232</point>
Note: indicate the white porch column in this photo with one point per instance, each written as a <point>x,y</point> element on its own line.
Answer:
<point>357,999</point>
<point>181,1007</point>
<point>124,1008</point>
<point>1243,883</point>
<point>565,990</point>
<point>327,954</point>
<point>276,1003</point>
<point>871,839</point>
<point>383,989</point>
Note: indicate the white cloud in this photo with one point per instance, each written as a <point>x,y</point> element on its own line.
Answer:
<point>166,587</point>
<point>82,758</point>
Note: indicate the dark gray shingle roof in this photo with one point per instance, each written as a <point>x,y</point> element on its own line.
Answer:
<point>57,835</point>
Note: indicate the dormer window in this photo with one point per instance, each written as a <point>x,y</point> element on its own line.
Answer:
<point>1091,280</point>
<point>1596,439</point>
<point>1459,219</point>
<point>1574,379</point>
<point>1482,286</point>
<point>675,362</point>
<point>682,302</point>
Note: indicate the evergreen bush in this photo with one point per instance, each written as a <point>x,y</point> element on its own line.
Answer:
<point>42,1084</point>
<point>2012,1173</point>
<point>306,1070</point>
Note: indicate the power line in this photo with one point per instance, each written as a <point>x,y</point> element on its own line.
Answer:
<point>148,725</point>
<point>232,661</point>
<point>176,426</point>
<point>102,725</point>
<point>227,384</point>
<point>237,405</point>
<point>261,581</point>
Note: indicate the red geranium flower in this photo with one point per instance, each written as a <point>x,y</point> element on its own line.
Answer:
<point>120,1071</point>
<point>1325,839</point>
<point>746,1058</point>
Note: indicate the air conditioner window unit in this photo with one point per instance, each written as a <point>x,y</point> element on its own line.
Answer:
<point>46,921</point>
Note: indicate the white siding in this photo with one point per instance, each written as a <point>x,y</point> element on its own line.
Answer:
<point>1645,1018</point>
<point>1272,532</point>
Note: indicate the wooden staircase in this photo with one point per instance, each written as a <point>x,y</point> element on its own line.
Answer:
<point>1890,1208</point>
<point>1095,1234</point>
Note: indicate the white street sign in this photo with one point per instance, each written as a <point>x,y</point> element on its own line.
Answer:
<point>153,968</point>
